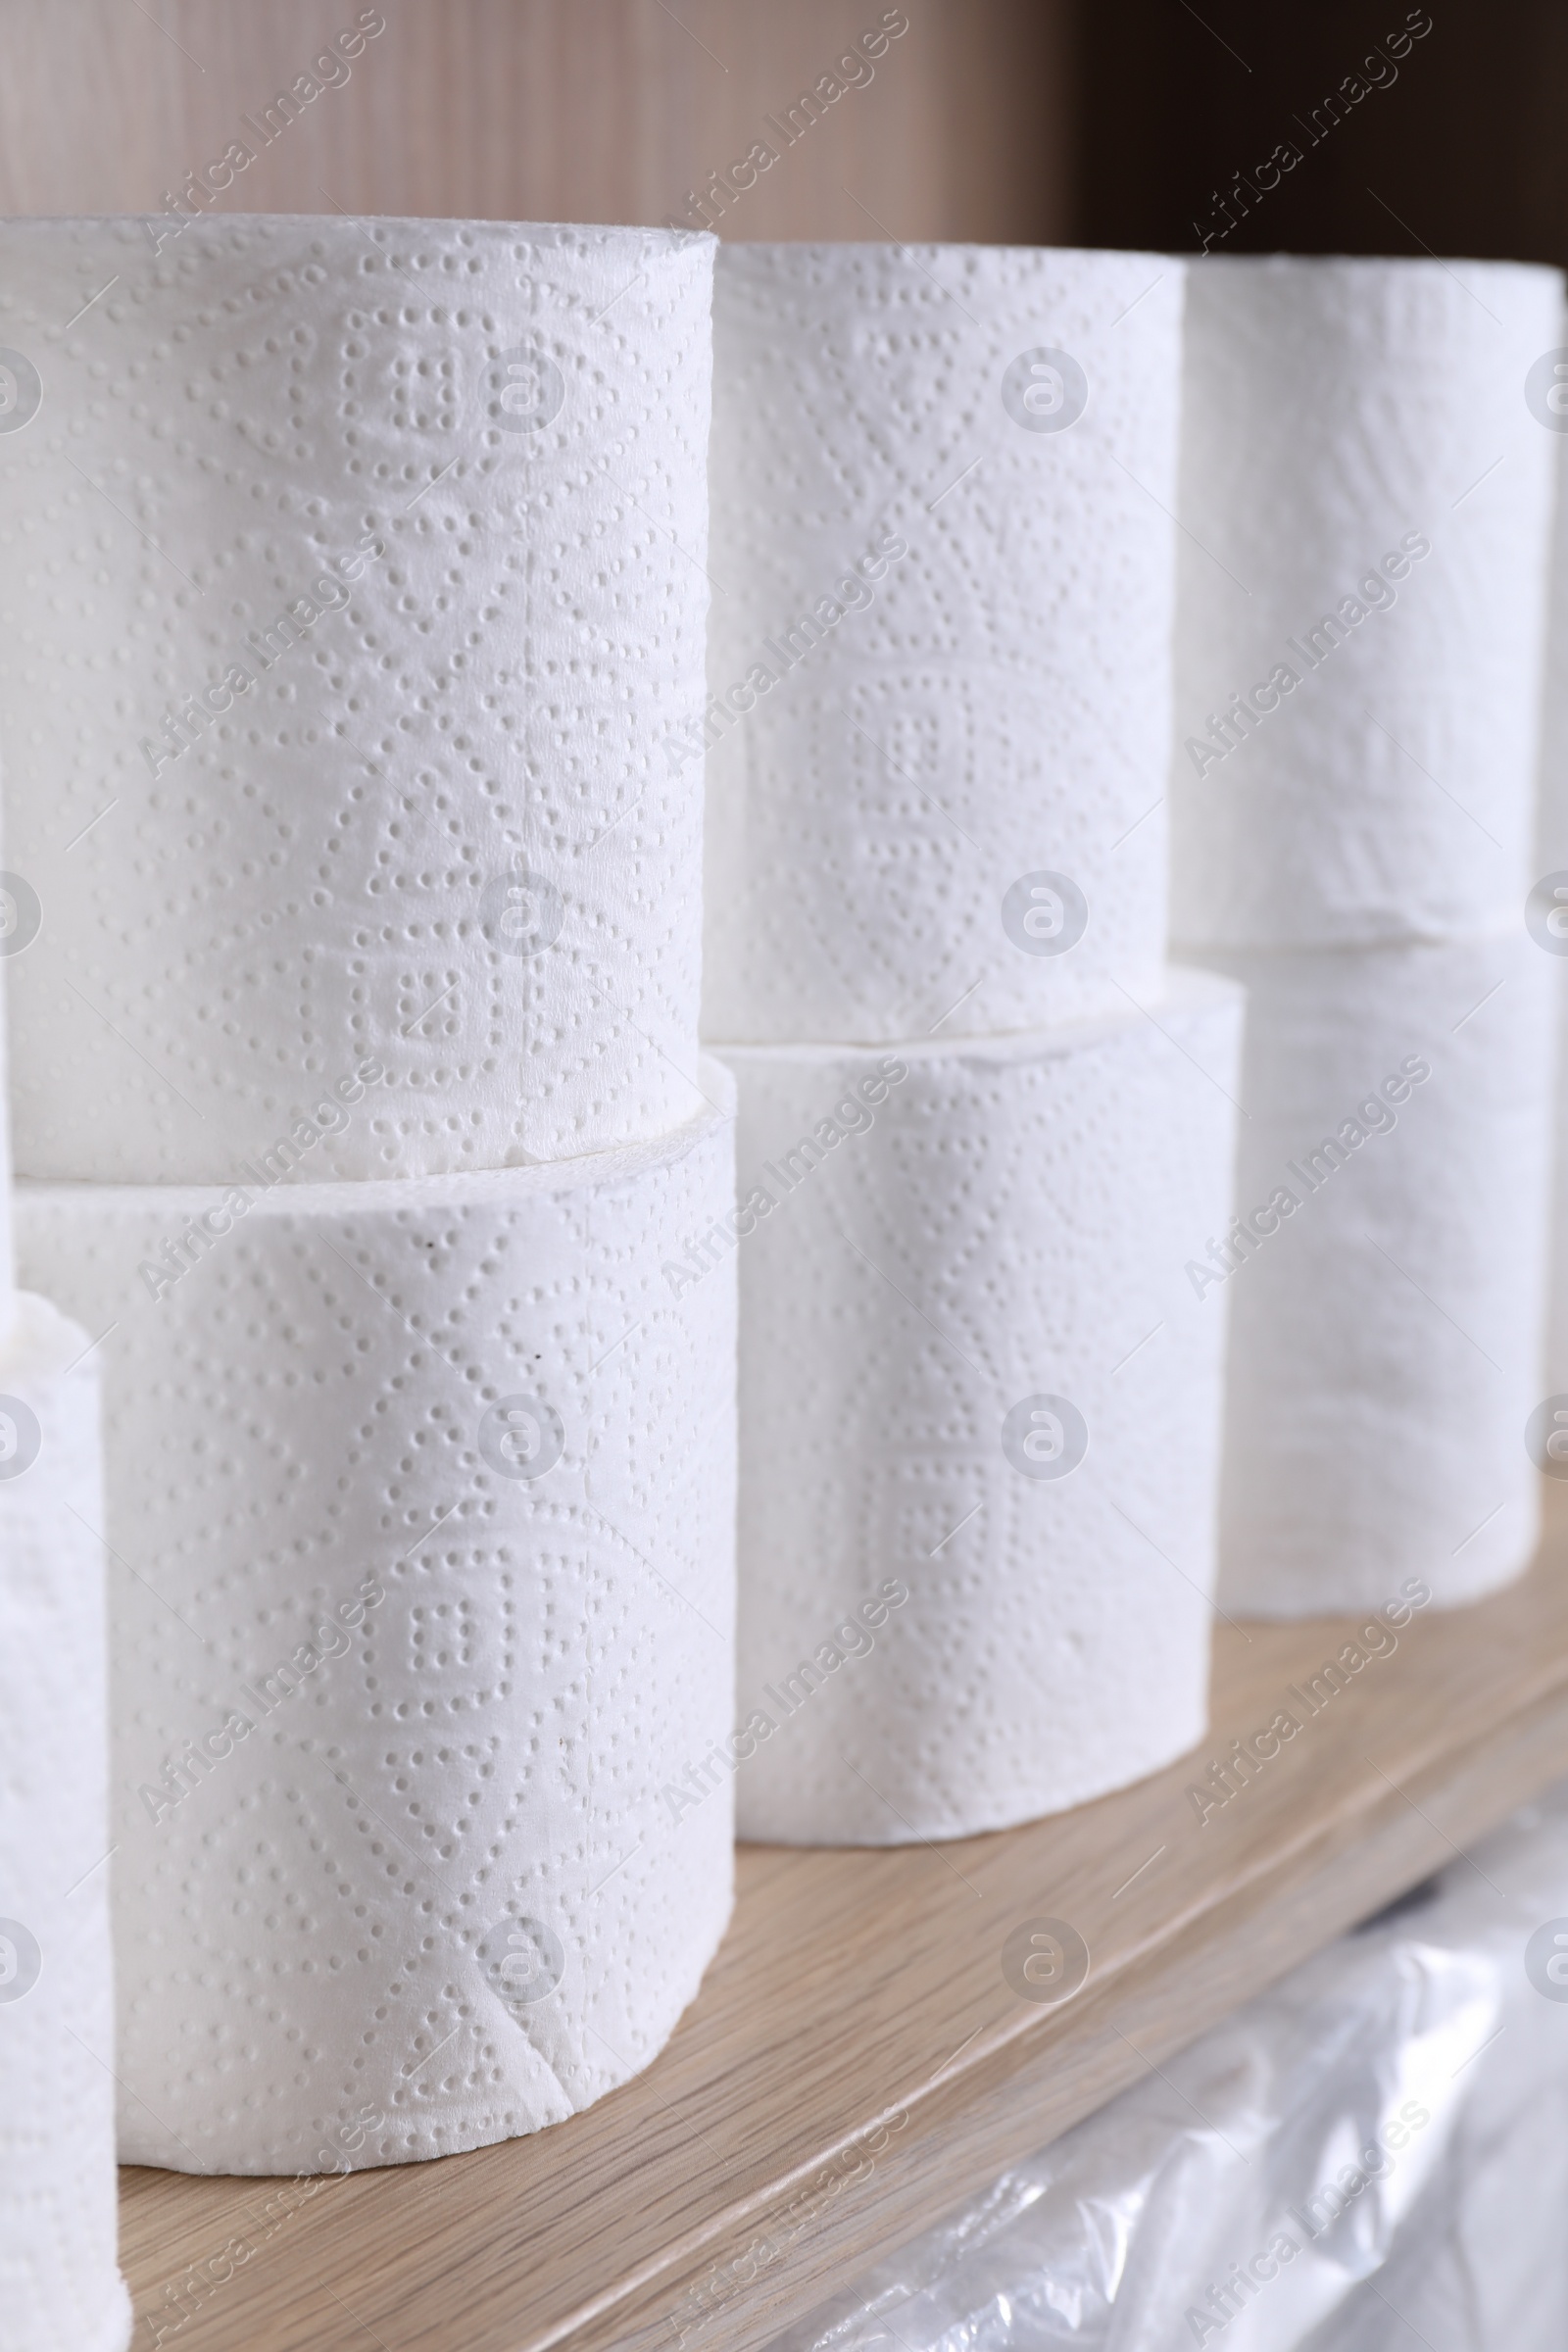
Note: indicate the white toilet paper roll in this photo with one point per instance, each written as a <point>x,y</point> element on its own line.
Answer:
<point>1547,908</point>
<point>979,1419</point>
<point>1386,1307</point>
<point>422,1500</point>
<point>1366,492</point>
<point>1556,1364</point>
<point>350,586</point>
<point>57,2281</point>
<point>940,666</point>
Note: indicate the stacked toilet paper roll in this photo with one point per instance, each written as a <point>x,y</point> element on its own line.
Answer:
<point>1385,1277</point>
<point>352,589</point>
<point>58,2280</point>
<point>980,1409</point>
<point>58,2224</point>
<point>1547,913</point>
<point>430,1483</point>
<point>981,1131</point>
<point>1366,488</point>
<point>940,664</point>
<point>357,579</point>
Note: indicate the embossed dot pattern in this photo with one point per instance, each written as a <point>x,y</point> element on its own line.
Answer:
<point>997,702</point>
<point>462,1691</point>
<point>231,430</point>
<point>1393,1331</point>
<point>57,2281</point>
<point>1015,1223</point>
<point>1334,412</point>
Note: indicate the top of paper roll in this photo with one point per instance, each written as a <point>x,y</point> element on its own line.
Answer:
<point>350,586</point>
<point>258,1189</point>
<point>1367,459</point>
<point>940,643</point>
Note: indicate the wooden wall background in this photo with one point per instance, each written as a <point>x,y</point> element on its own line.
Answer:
<point>1093,121</point>
<point>585,109</point>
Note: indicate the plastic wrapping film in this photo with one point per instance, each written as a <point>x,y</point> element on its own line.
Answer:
<point>1397,2110</point>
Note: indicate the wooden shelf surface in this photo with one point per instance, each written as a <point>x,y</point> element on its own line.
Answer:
<point>856,2061</point>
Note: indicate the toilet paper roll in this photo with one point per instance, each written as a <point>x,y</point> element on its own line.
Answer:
<point>1387,1304</point>
<point>1366,494</point>
<point>57,2281</point>
<point>350,585</point>
<point>1556,1370</point>
<point>940,666</point>
<point>421,1496</point>
<point>1547,908</point>
<point>979,1419</point>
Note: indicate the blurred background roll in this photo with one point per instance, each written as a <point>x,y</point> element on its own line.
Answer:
<point>939,665</point>
<point>1388,1275</point>
<point>1366,494</point>
<point>1366,498</point>
<point>980,1412</point>
<point>351,585</point>
<point>1546,912</point>
<point>421,1501</point>
<point>59,2285</point>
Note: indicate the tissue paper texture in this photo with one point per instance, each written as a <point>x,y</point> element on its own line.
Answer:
<point>940,652</point>
<point>1546,912</point>
<point>979,1419</point>
<point>58,2281</point>
<point>350,586</point>
<point>1368,494</point>
<point>1385,1330</point>
<point>422,1500</point>
<point>1555,1379</point>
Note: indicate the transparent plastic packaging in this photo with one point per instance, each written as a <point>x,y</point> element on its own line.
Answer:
<point>1372,2155</point>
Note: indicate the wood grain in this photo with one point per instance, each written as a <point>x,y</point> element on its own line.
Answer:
<point>856,2061</point>
<point>551,110</point>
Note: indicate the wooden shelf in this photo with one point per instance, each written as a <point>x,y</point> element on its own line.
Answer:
<point>856,2061</point>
